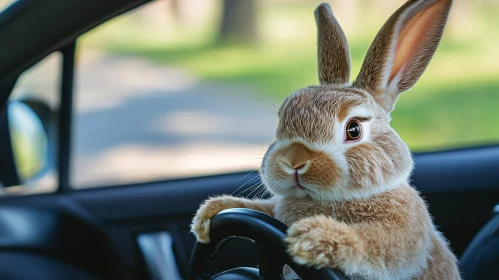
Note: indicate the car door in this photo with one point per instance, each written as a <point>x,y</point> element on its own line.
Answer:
<point>145,132</point>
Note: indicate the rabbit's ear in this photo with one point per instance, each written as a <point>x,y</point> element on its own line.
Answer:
<point>402,49</point>
<point>333,54</point>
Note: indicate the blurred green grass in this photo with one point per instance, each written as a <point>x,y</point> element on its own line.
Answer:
<point>454,104</point>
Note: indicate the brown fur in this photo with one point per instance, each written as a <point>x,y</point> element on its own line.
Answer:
<point>298,114</point>
<point>441,261</point>
<point>382,158</point>
<point>383,226</point>
<point>213,206</point>
<point>321,169</point>
<point>333,64</point>
<point>349,204</point>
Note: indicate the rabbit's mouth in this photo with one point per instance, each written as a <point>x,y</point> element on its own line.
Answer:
<point>297,191</point>
<point>297,180</point>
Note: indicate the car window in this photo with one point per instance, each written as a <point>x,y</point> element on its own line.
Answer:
<point>34,160</point>
<point>182,88</point>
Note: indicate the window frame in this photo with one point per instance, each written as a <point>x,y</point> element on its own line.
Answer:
<point>20,53</point>
<point>65,119</point>
<point>55,123</point>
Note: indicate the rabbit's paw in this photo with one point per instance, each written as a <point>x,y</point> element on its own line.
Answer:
<point>201,223</point>
<point>323,242</point>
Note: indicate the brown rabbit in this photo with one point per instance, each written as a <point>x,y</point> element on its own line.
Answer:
<point>338,172</point>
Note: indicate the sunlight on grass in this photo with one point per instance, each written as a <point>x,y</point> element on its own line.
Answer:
<point>454,104</point>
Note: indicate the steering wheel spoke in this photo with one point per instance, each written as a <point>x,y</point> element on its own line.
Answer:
<point>269,265</point>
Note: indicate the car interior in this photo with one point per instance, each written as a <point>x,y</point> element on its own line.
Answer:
<point>141,231</point>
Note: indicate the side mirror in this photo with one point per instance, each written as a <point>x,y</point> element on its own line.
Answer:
<point>24,141</point>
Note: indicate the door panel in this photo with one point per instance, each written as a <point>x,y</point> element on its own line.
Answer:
<point>460,186</point>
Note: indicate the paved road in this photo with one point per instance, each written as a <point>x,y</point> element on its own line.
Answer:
<point>137,121</point>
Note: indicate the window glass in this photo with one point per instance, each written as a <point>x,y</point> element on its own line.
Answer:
<point>4,4</point>
<point>186,88</point>
<point>34,159</point>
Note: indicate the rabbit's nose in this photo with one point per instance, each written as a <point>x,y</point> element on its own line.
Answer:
<point>296,158</point>
<point>294,167</point>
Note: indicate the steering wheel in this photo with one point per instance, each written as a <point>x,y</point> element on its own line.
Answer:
<point>268,233</point>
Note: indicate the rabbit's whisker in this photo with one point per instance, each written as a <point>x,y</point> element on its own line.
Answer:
<point>258,144</point>
<point>249,173</point>
<point>250,181</point>
<point>263,100</point>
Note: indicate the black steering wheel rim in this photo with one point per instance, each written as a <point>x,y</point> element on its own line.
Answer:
<point>263,229</point>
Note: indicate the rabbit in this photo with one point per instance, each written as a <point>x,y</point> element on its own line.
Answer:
<point>338,173</point>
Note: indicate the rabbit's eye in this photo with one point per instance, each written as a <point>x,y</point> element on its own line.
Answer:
<point>353,130</point>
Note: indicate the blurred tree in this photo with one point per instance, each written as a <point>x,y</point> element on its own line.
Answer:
<point>346,13</point>
<point>238,21</point>
<point>175,9</point>
<point>460,19</point>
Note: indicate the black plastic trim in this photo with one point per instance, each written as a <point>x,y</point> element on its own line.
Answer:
<point>51,25</point>
<point>9,175</point>
<point>65,118</point>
